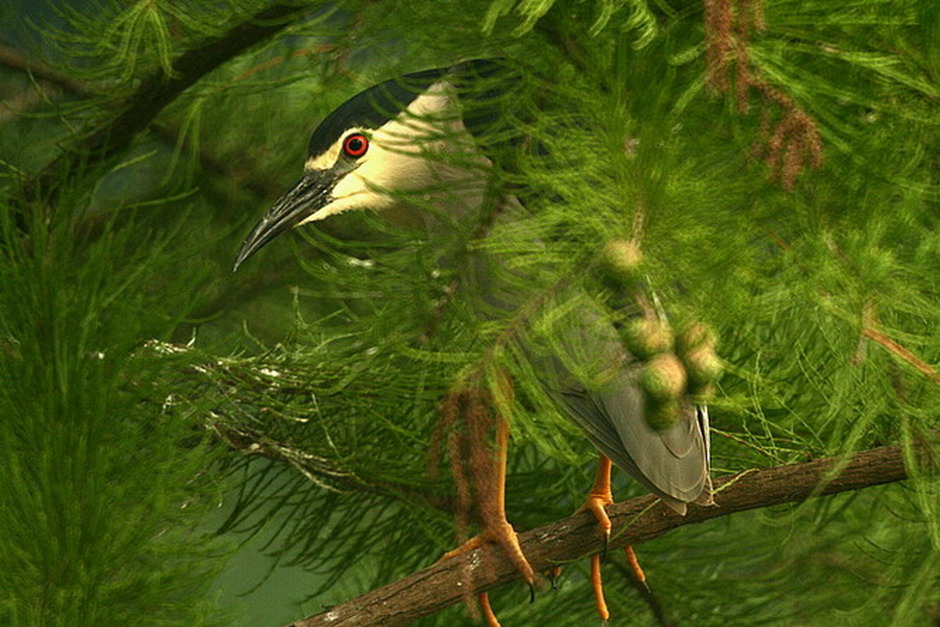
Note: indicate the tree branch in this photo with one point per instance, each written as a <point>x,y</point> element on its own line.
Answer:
<point>320,471</point>
<point>635,521</point>
<point>902,352</point>
<point>16,60</point>
<point>158,90</point>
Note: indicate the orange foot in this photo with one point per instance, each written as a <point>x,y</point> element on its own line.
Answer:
<point>598,499</point>
<point>504,536</point>
<point>490,490</point>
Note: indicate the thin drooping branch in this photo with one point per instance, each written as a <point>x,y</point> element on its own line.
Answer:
<point>902,352</point>
<point>635,521</point>
<point>795,142</point>
<point>158,90</point>
<point>254,378</point>
<point>321,471</point>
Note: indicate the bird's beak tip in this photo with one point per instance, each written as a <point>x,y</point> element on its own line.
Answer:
<point>243,256</point>
<point>306,196</point>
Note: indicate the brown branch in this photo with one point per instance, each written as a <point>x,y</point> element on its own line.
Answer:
<point>158,90</point>
<point>902,353</point>
<point>635,521</point>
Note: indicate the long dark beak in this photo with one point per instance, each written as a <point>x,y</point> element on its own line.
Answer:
<point>309,194</point>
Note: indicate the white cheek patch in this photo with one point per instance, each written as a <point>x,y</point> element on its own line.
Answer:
<point>400,157</point>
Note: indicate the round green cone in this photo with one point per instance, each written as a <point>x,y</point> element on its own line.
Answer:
<point>702,366</point>
<point>645,338</point>
<point>661,415</point>
<point>620,263</point>
<point>663,378</point>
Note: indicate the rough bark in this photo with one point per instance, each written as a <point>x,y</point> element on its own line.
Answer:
<point>635,521</point>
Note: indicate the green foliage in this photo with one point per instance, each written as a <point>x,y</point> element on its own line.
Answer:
<point>333,362</point>
<point>106,479</point>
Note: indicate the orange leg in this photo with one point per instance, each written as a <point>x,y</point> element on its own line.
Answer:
<point>598,498</point>
<point>491,502</point>
<point>634,563</point>
<point>598,584</point>
<point>489,484</point>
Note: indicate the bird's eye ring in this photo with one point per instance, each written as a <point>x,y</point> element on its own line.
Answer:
<point>356,145</point>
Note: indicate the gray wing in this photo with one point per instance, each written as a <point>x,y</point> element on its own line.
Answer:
<point>673,463</point>
<point>605,400</point>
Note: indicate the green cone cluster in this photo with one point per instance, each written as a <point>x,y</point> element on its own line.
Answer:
<point>647,337</point>
<point>667,375</point>
<point>673,365</point>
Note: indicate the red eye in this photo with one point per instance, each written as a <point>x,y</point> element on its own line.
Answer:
<point>356,145</point>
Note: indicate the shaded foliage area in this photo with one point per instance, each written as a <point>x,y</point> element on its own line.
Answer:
<point>106,481</point>
<point>775,162</point>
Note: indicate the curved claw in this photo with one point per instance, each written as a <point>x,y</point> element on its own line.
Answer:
<point>596,504</point>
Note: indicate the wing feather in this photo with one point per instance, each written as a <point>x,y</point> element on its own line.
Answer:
<point>673,463</point>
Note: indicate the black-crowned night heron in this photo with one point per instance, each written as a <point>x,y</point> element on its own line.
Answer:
<point>413,134</point>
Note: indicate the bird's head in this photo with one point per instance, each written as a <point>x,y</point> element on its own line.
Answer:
<point>374,149</point>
